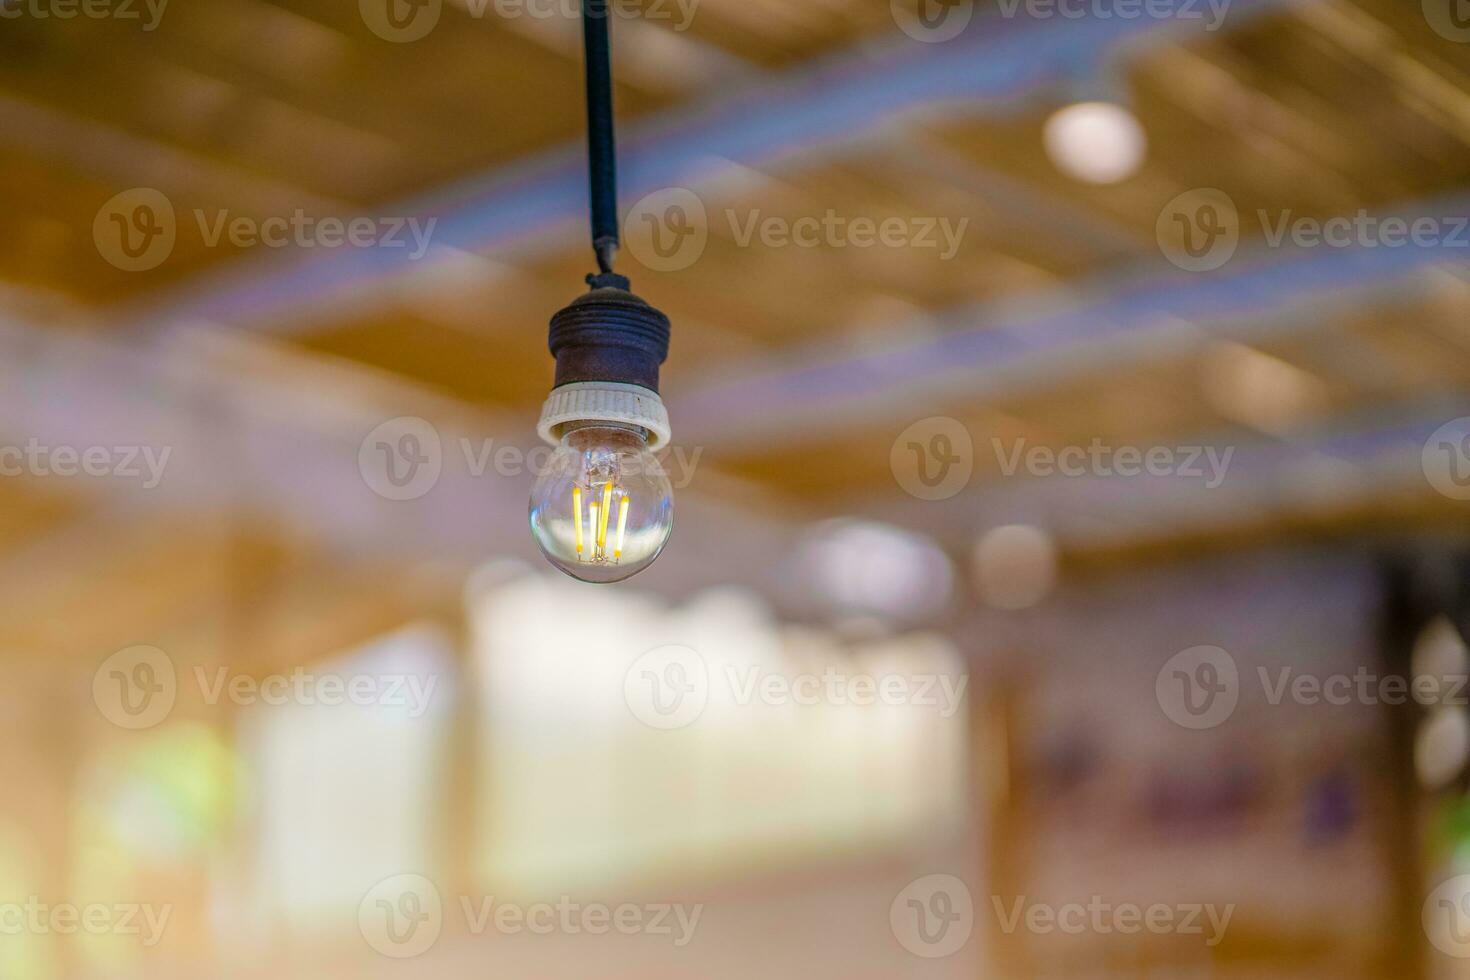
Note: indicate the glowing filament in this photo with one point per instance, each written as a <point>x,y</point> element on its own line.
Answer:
<point>593,545</point>
<point>606,513</point>
<point>622,525</point>
<point>577,516</point>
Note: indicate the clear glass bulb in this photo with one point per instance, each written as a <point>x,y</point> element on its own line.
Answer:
<point>603,508</point>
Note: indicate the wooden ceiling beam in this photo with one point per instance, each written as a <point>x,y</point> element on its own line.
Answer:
<point>802,110</point>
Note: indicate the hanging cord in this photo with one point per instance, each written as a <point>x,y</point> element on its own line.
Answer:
<point>601,149</point>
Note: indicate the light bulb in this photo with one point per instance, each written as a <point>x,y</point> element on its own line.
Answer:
<point>1099,142</point>
<point>603,508</point>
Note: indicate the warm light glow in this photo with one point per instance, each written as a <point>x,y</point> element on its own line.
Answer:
<point>606,512</point>
<point>622,526</point>
<point>1440,653</point>
<point>1442,746</point>
<point>1097,142</point>
<point>609,472</point>
<point>577,516</point>
<point>597,522</point>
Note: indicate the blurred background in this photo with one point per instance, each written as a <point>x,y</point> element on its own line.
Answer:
<point>1071,406</point>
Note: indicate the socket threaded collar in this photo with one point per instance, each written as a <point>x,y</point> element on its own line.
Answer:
<point>602,401</point>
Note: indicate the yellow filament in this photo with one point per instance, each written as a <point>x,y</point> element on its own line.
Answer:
<point>622,525</point>
<point>606,513</point>
<point>577,516</point>
<point>592,528</point>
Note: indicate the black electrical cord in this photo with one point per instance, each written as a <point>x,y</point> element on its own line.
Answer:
<point>606,335</point>
<point>601,149</point>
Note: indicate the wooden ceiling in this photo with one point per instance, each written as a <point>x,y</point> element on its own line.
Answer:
<point>261,108</point>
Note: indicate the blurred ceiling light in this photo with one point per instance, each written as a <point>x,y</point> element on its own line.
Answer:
<point>1258,390</point>
<point>1439,651</point>
<point>1096,142</point>
<point>1442,746</point>
<point>1015,566</point>
<point>863,567</point>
